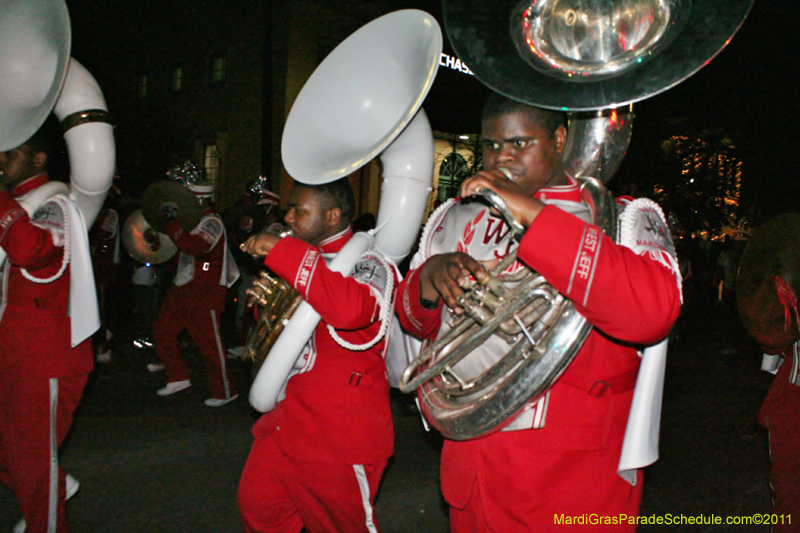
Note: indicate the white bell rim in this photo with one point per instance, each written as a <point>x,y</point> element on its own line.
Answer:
<point>385,84</point>
<point>35,43</point>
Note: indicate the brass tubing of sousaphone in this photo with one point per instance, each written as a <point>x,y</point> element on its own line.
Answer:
<point>470,408</point>
<point>529,379</point>
<point>275,308</point>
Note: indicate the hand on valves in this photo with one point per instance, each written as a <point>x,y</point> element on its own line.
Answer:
<point>449,275</point>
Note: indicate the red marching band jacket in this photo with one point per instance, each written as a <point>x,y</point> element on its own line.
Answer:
<point>32,310</point>
<point>631,299</point>
<point>336,405</point>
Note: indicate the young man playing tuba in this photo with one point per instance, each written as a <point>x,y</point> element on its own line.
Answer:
<point>559,455</point>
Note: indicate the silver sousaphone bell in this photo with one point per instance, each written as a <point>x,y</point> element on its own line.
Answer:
<point>592,59</point>
<point>587,55</point>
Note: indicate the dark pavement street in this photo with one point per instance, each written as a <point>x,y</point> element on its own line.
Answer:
<point>171,465</point>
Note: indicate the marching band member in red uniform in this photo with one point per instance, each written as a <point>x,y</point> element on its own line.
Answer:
<point>318,457</point>
<point>778,415</point>
<point>45,357</point>
<point>196,300</point>
<point>559,456</point>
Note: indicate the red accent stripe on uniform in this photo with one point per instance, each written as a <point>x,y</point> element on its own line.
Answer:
<point>9,218</point>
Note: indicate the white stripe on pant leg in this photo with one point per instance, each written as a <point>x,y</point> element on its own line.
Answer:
<point>221,355</point>
<point>363,486</point>
<point>52,503</point>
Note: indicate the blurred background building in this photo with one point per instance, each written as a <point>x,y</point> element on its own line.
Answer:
<point>213,81</point>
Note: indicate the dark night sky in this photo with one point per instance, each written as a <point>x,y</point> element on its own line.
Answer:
<point>749,90</point>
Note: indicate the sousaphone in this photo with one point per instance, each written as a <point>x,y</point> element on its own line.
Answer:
<point>593,59</point>
<point>37,77</point>
<point>362,102</point>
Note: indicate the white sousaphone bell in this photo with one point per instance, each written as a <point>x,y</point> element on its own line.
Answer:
<point>364,100</point>
<point>37,77</point>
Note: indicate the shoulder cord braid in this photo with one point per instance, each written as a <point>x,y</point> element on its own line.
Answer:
<point>387,308</point>
<point>433,221</point>
<point>62,203</point>
<point>627,227</point>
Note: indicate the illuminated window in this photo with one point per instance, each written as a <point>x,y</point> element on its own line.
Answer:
<point>211,163</point>
<point>143,86</point>
<point>452,172</point>
<point>177,79</point>
<point>216,70</point>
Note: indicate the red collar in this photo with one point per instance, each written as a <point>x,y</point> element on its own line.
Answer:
<point>336,242</point>
<point>570,192</point>
<point>26,186</point>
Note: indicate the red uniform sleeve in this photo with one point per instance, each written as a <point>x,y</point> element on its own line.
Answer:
<point>342,302</point>
<point>28,246</point>
<point>421,322</point>
<point>186,242</point>
<point>632,298</point>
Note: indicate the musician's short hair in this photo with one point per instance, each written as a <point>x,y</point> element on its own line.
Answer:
<point>497,105</point>
<point>337,193</point>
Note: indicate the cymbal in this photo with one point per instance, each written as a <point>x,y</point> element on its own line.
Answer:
<point>137,247</point>
<point>170,193</point>
<point>770,263</point>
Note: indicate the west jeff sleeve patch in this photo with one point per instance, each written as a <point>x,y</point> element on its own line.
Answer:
<point>583,268</point>
<point>305,274</point>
